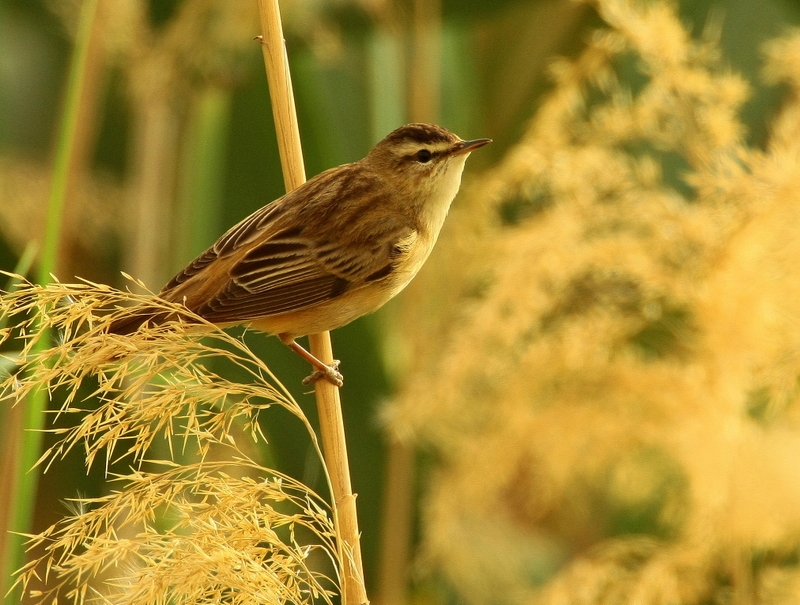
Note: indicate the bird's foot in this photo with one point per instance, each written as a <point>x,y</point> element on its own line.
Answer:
<point>330,373</point>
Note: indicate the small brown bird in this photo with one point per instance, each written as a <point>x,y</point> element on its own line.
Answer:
<point>334,249</point>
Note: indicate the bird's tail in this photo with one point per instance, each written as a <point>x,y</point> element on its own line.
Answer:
<point>137,317</point>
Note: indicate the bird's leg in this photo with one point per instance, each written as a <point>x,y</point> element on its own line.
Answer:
<point>328,372</point>
<point>331,373</point>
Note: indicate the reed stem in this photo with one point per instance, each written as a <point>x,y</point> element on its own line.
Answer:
<point>327,395</point>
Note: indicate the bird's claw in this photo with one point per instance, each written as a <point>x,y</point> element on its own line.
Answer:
<point>331,374</point>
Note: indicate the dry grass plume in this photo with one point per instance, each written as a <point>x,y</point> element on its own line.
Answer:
<point>203,522</point>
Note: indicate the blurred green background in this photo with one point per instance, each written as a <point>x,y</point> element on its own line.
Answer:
<point>183,83</point>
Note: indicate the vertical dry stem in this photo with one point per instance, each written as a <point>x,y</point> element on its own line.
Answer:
<point>281,94</point>
<point>328,402</point>
<point>154,165</point>
<point>423,78</point>
<point>397,522</point>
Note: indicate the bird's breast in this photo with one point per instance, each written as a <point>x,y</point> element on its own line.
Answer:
<point>414,251</point>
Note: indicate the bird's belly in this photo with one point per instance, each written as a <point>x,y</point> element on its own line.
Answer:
<point>328,315</point>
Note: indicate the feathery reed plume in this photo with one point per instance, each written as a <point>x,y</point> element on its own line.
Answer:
<point>221,527</point>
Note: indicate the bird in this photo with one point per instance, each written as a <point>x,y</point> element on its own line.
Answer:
<point>338,247</point>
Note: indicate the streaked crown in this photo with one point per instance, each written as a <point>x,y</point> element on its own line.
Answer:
<point>415,144</point>
<point>423,164</point>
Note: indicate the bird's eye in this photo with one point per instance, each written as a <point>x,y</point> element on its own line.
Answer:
<point>423,156</point>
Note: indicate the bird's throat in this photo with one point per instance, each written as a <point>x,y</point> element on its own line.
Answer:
<point>436,206</point>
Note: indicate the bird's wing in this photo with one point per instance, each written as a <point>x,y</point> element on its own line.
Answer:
<point>261,267</point>
<point>234,239</point>
<point>288,274</point>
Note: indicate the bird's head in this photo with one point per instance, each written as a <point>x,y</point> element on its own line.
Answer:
<point>423,160</point>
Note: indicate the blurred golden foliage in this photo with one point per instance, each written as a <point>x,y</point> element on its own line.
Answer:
<point>615,412</point>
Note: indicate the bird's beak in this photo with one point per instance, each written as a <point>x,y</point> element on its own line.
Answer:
<point>469,146</point>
